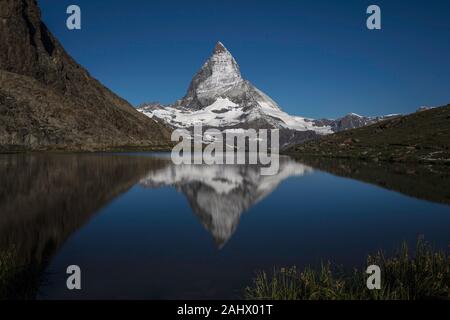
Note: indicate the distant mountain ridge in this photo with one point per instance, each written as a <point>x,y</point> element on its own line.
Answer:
<point>48,101</point>
<point>351,121</point>
<point>219,97</point>
<point>422,137</point>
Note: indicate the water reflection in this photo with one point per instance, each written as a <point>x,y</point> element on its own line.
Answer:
<point>219,194</point>
<point>46,199</point>
<point>422,181</point>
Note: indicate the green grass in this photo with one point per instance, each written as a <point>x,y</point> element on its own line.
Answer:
<point>421,137</point>
<point>426,275</point>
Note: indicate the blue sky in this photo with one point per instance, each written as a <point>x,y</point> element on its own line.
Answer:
<point>315,58</point>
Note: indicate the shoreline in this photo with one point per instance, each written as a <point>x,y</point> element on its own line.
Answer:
<point>119,149</point>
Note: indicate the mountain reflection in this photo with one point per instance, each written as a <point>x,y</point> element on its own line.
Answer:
<point>421,181</point>
<point>46,198</point>
<point>219,194</point>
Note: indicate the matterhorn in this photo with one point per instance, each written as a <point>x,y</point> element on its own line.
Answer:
<point>219,97</point>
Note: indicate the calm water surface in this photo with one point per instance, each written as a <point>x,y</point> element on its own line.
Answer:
<point>142,228</point>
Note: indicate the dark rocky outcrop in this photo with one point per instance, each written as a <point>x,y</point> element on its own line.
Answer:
<point>48,101</point>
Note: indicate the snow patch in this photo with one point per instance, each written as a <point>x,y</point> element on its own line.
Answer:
<point>222,112</point>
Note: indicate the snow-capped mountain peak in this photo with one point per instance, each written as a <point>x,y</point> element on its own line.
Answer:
<point>219,97</point>
<point>218,75</point>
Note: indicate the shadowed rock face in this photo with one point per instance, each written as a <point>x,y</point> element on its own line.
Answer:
<point>48,101</point>
<point>220,194</point>
<point>44,199</point>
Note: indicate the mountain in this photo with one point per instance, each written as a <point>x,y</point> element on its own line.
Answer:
<point>351,121</point>
<point>220,194</point>
<point>48,101</point>
<point>423,137</point>
<point>219,97</point>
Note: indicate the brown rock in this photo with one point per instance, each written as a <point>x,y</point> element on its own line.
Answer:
<point>44,90</point>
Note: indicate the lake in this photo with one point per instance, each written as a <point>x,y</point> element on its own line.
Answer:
<point>140,227</point>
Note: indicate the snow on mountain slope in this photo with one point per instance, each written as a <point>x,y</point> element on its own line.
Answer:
<point>225,113</point>
<point>217,76</point>
<point>222,112</point>
<point>219,97</point>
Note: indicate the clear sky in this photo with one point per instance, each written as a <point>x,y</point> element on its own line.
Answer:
<point>315,58</point>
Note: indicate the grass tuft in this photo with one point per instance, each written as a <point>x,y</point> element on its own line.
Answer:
<point>426,275</point>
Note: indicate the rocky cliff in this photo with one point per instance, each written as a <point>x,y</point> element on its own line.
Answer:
<point>48,101</point>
